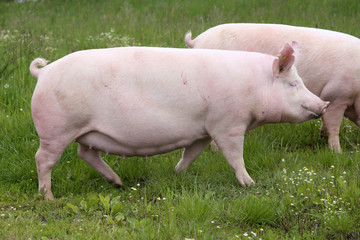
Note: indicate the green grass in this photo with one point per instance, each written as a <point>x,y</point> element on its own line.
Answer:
<point>302,190</point>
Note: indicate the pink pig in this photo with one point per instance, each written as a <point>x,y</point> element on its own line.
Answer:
<point>328,63</point>
<point>140,101</point>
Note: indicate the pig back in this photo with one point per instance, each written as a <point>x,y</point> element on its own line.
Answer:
<point>322,52</point>
<point>135,92</point>
<point>135,77</point>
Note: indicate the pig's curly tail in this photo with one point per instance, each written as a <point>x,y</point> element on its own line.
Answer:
<point>35,64</point>
<point>189,41</point>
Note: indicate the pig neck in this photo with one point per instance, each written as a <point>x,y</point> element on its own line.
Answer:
<point>269,107</point>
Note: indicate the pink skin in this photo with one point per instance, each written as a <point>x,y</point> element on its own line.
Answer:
<point>328,63</point>
<point>146,101</point>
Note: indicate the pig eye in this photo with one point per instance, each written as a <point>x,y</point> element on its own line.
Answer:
<point>293,83</point>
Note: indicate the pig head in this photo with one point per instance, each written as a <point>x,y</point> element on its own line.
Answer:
<point>327,64</point>
<point>140,101</point>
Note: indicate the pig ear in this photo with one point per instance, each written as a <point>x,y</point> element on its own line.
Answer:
<point>285,59</point>
<point>296,48</point>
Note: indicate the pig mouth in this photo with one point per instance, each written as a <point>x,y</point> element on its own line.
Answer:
<point>315,115</point>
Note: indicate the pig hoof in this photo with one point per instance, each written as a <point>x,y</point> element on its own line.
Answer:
<point>119,186</point>
<point>246,182</point>
<point>245,185</point>
<point>116,182</point>
<point>179,168</point>
<point>176,171</point>
<point>335,149</point>
<point>48,196</point>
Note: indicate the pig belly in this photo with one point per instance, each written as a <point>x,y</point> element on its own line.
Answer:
<point>140,145</point>
<point>143,129</point>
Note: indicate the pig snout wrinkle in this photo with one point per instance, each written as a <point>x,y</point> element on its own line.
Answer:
<point>316,115</point>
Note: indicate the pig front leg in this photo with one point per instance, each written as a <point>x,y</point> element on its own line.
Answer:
<point>232,148</point>
<point>191,153</point>
<point>332,121</point>
<point>93,158</point>
<point>323,130</point>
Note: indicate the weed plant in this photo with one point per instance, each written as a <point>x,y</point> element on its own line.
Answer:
<point>302,190</point>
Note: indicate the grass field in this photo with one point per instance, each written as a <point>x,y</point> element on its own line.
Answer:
<point>302,190</point>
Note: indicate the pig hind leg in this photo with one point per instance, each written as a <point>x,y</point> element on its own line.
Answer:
<point>191,153</point>
<point>93,158</point>
<point>357,111</point>
<point>353,112</point>
<point>46,157</point>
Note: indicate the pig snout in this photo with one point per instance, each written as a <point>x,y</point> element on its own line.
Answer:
<point>317,110</point>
